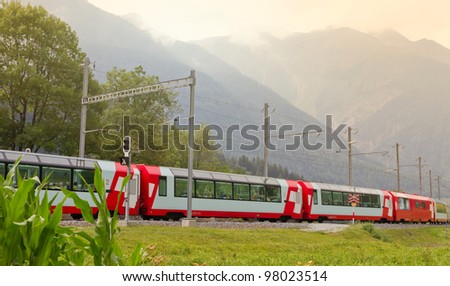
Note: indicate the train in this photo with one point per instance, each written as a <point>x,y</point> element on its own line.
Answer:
<point>158,192</point>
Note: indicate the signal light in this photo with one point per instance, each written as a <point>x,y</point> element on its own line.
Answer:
<point>126,144</point>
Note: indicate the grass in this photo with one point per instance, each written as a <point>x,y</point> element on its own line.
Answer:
<point>357,245</point>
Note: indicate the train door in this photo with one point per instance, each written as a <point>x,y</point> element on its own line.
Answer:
<point>432,212</point>
<point>293,206</point>
<point>298,200</point>
<point>387,208</point>
<point>135,191</point>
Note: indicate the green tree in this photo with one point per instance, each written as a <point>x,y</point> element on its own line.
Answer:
<point>40,80</point>
<point>147,119</point>
<point>255,166</point>
<point>206,157</point>
<point>141,117</point>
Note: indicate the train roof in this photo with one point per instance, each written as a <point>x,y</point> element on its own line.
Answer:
<point>228,177</point>
<point>409,196</point>
<point>343,188</point>
<point>75,162</point>
<point>46,159</point>
<point>440,201</point>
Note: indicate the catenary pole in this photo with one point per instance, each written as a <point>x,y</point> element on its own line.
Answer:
<point>349,137</point>
<point>191,145</point>
<point>84,108</point>
<point>266,140</point>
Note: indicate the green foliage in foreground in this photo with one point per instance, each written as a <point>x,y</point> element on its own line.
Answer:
<point>354,246</point>
<point>30,233</point>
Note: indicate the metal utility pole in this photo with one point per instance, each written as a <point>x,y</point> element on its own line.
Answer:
<point>398,167</point>
<point>420,165</point>
<point>420,175</point>
<point>431,185</point>
<point>127,154</point>
<point>439,187</point>
<point>191,144</point>
<point>351,154</point>
<point>266,140</point>
<point>170,84</point>
<point>84,107</point>
<point>349,131</point>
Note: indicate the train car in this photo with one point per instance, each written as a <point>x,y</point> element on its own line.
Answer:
<point>441,211</point>
<point>413,208</point>
<point>67,172</point>
<point>331,202</point>
<point>214,194</point>
<point>161,193</point>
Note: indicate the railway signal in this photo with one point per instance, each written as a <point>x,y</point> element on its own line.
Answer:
<point>126,145</point>
<point>353,199</point>
<point>126,159</point>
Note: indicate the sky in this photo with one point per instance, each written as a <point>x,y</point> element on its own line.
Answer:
<point>188,20</point>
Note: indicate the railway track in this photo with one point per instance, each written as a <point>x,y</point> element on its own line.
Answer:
<point>238,223</point>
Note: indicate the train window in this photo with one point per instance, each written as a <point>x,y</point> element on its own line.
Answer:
<point>365,201</point>
<point>181,187</point>
<point>257,192</point>
<point>417,205</point>
<point>241,191</point>
<point>375,199</point>
<point>440,208</point>
<point>315,200</point>
<point>204,189</point>
<point>337,199</point>
<point>273,194</point>
<point>403,204</point>
<point>423,205</point>
<point>224,190</point>
<point>78,176</point>
<point>162,187</point>
<point>2,170</point>
<point>26,172</point>
<point>326,198</point>
<point>58,178</point>
<point>346,198</point>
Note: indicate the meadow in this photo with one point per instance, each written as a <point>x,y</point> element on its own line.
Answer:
<point>362,244</point>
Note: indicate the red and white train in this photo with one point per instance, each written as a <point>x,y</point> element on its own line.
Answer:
<point>161,193</point>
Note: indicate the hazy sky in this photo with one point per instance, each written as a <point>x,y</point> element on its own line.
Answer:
<point>197,19</point>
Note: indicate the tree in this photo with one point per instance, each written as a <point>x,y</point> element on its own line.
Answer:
<point>40,80</point>
<point>206,157</point>
<point>147,119</point>
<point>141,117</point>
<point>255,166</point>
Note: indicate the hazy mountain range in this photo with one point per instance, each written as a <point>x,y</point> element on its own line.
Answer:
<point>389,88</point>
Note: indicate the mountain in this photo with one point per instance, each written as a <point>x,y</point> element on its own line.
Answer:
<point>302,77</point>
<point>390,88</point>
<point>224,96</point>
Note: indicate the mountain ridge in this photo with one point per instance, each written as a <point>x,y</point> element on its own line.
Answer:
<point>390,88</point>
<point>235,92</point>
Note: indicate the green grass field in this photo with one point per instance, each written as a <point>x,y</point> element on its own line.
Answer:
<point>357,245</point>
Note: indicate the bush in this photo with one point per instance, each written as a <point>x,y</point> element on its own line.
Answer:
<point>374,232</point>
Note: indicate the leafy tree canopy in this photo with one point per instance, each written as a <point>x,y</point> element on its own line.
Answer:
<point>40,80</point>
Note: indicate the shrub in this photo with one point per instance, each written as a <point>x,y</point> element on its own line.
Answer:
<point>374,232</point>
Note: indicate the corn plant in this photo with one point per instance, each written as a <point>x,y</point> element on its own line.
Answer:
<point>103,246</point>
<point>30,231</point>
